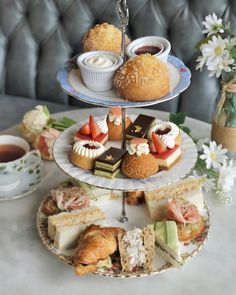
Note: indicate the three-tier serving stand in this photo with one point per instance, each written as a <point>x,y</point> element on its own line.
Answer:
<point>71,82</point>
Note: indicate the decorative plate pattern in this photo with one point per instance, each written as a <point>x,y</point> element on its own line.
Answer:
<point>63,145</point>
<point>138,215</point>
<point>29,182</point>
<point>70,80</point>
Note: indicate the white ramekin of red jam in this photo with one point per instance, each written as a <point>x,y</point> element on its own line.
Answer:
<point>154,45</point>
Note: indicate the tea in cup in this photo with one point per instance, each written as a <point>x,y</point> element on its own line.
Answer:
<point>15,160</point>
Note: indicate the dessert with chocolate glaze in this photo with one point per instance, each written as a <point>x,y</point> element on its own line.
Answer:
<point>108,164</point>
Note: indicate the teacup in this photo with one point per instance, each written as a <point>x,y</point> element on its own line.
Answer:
<point>15,160</point>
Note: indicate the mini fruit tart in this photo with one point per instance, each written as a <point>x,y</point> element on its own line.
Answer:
<point>85,152</point>
<point>97,131</point>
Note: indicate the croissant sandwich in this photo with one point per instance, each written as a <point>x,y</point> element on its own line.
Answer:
<point>95,246</point>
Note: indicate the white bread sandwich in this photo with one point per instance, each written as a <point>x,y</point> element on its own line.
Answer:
<point>190,189</point>
<point>167,243</point>
<point>137,249</point>
<point>64,228</point>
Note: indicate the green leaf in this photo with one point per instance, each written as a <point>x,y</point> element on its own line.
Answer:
<point>46,111</point>
<point>178,118</point>
<point>186,130</point>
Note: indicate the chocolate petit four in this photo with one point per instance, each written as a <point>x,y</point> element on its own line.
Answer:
<point>140,127</point>
<point>108,164</point>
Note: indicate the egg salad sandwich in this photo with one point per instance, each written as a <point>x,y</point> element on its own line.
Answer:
<point>136,249</point>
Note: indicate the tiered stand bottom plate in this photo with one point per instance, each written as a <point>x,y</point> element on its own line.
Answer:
<point>138,216</point>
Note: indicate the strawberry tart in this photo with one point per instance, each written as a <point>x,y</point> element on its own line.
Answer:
<point>114,123</point>
<point>97,131</point>
<point>85,152</point>
<point>165,141</point>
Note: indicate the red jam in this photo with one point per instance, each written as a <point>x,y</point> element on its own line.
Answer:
<point>161,132</point>
<point>91,147</point>
<point>147,49</point>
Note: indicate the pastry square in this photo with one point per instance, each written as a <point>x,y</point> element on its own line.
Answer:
<point>140,127</point>
<point>167,159</point>
<point>108,164</point>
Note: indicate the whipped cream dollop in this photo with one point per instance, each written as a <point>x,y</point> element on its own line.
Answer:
<point>167,138</point>
<point>138,149</point>
<point>117,120</point>
<point>102,124</point>
<point>135,247</point>
<point>88,148</point>
<point>100,61</point>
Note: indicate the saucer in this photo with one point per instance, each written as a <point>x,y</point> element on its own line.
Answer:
<point>28,184</point>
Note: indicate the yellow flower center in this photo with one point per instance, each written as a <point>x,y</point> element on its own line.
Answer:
<point>218,50</point>
<point>214,156</point>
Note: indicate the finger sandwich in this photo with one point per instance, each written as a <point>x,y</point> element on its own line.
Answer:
<point>136,249</point>
<point>167,243</point>
<point>64,228</point>
<point>190,189</point>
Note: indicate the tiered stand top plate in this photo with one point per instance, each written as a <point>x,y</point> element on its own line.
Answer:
<point>70,80</point>
<point>63,146</point>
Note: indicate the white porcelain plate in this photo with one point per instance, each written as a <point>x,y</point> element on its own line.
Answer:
<point>70,80</point>
<point>63,146</point>
<point>138,216</point>
<point>28,184</point>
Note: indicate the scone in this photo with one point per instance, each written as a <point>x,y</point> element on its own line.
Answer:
<point>139,163</point>
<point>103,37</point>
<point>143,78</point>
<point>114,123</point>
<point>85,152</point>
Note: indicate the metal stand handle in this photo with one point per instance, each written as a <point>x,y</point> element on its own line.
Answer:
<point>123,13</point>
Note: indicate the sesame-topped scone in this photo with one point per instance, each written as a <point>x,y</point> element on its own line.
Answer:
<point>85,152</point>
<point>138,162</point>
<point>114,123</point>
<point>143,78</point>
<point>103,37</point>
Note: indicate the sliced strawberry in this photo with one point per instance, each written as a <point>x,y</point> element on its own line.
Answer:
<point>152,148</point>
<point>94,128</point>
<point>159,145</point>
<point>85,130</point>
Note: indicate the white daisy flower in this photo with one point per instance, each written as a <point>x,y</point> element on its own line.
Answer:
<point>201,60</point>
<point>213,155</point>
<point>214,49</point>
<point>227,174</point>
<point>212,25</point>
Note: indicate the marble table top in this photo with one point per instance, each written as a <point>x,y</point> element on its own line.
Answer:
<point>26,267</point>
